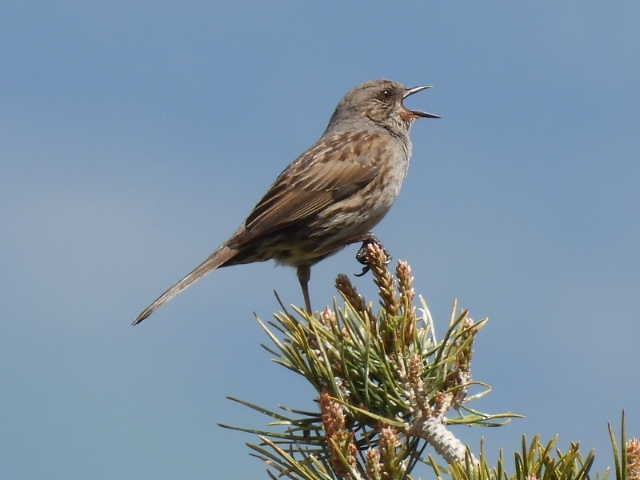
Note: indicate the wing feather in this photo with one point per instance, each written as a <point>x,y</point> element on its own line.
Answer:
<point>330,171</point>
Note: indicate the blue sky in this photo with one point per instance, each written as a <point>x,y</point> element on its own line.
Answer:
<point>135,137</point>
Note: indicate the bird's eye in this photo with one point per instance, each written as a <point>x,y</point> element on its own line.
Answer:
<point>385,95</point>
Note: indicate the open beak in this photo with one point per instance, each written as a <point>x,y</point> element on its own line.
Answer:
<point>417,113</point>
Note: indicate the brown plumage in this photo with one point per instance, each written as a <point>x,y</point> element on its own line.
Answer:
<point>331,195</point>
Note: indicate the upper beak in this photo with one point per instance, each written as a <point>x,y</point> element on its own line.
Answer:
<point>410,91</point>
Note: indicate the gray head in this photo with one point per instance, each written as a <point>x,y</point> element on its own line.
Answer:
<point>377,102</point>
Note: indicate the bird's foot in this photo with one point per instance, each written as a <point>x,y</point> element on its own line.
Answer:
<point>362,255</point>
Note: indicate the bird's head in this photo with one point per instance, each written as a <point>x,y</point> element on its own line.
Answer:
<point>380,102</point>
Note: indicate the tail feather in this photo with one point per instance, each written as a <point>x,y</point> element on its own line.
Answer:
<point>215,260</point>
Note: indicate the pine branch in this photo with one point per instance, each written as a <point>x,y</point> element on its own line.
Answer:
<point>388,388</point>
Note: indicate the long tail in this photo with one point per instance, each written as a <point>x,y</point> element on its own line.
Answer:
<point>213,261</point>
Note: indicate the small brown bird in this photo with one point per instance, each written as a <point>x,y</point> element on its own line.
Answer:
<point>331,195</point>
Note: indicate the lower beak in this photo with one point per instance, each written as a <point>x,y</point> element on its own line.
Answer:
<point>417,113</point>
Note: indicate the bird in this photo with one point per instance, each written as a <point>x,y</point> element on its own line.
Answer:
<point>330,196</point>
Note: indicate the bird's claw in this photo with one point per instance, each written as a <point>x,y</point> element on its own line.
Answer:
<point>363,258</point>
<point>365,269</point>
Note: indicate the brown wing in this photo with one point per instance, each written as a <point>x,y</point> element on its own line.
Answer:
<point>330,171</point>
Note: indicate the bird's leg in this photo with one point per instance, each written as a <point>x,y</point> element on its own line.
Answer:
<point>361,256</point>
<point>304,273</point>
